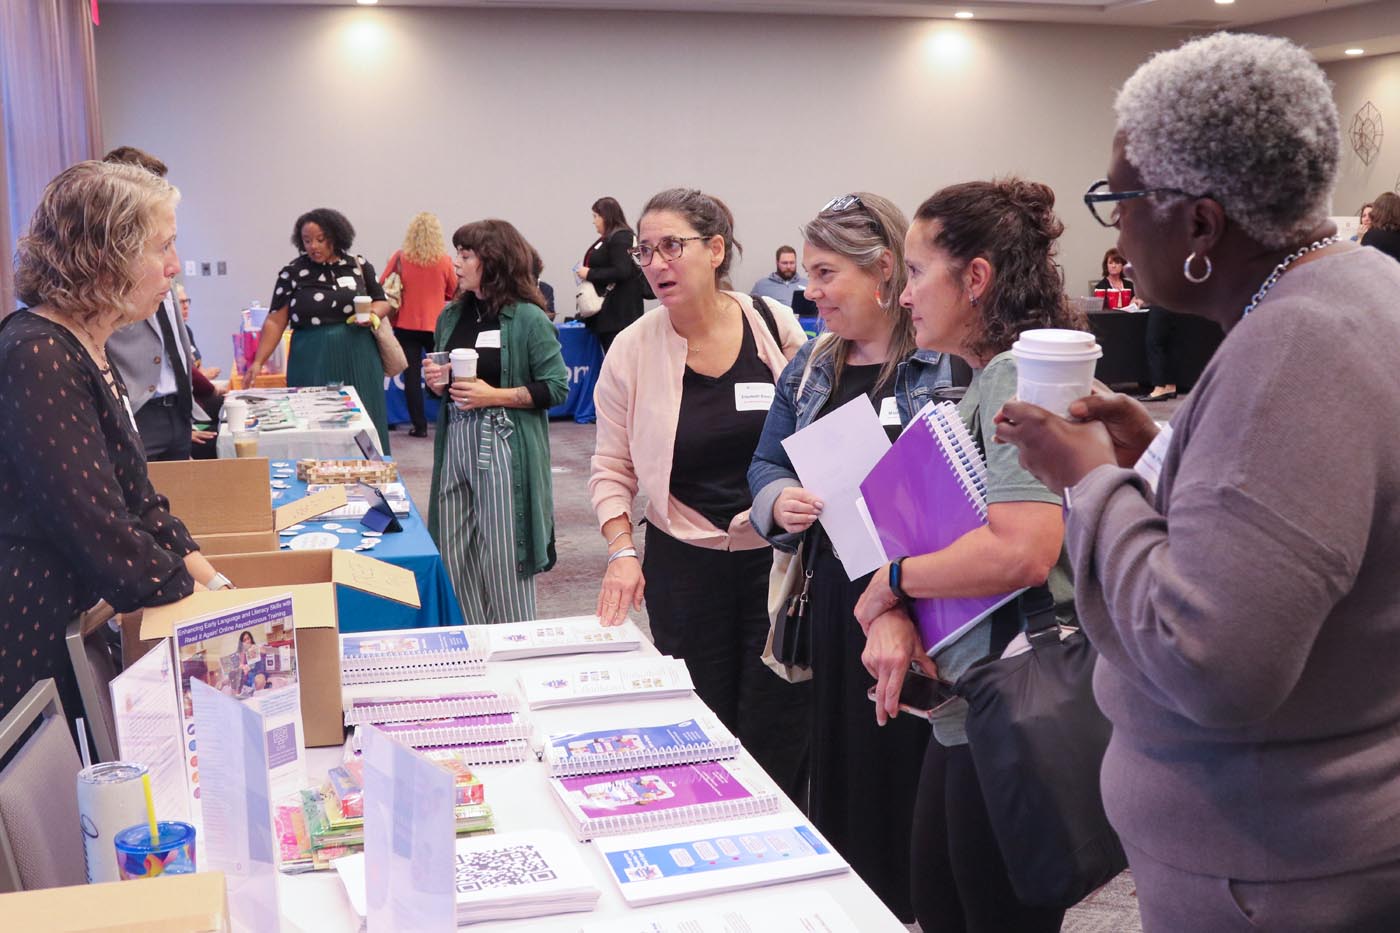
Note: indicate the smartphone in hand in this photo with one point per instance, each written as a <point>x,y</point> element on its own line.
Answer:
<point>921,695</point>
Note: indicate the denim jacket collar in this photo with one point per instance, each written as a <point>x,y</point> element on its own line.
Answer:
<point>915,381</point>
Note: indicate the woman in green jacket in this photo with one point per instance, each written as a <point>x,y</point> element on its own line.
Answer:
<point>491,508</point>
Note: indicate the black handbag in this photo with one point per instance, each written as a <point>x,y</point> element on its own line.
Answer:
<point>1037,739</point>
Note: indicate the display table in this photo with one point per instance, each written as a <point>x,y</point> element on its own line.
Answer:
<point>323,429</point>
<point>264,381</point>
<point>1123,336</point>
<point>583,355</point>
<point>520,797</point>
<point>413,549</point>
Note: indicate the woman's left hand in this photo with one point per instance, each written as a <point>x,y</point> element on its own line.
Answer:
<point>474,394</point>
<point>1056,451</point>
<point>891,644</point>
<point>877,599</point>
<point>583,273</point>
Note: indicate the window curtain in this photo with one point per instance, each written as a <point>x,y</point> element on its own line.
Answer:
<point>48,109</point>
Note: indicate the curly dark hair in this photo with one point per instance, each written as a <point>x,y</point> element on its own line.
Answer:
<point>1011,224</point>
<point>507,263</point>
<point>333,224</point>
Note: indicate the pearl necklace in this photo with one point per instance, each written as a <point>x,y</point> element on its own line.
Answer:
<point>1282,267</point>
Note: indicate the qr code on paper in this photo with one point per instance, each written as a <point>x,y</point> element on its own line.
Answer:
<point>510,867</point>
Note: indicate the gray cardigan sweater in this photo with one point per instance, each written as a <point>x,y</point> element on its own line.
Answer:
<point>1248,615</point>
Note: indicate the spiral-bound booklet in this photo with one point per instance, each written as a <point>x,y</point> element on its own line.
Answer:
<point>412,654</point>
<point>598,679</point>
<point>434,706</point>
<point>670,795</point>
<point>927,491</point>
<point>455,730</point>
<point>632,746</point>
<point>573,635</point>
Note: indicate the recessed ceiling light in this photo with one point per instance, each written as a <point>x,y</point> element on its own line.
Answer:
<point>962,14</point>
<point>1356,51</point>
<point>366,2</point>
<point>1224,2</point>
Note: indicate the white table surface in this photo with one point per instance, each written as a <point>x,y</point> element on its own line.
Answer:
<point>520,798</point>
<point>313,443</point>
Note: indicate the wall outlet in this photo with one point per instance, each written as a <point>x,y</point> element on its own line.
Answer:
<point>206,268</point>
<point>191,268</point>
<point>223,267</point>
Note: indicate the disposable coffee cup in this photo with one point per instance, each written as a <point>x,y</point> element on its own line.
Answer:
<point>463,364</point>
<point>245,443</point>
<point>362,312</point>
<point>236,413</point>
<point>1054,367</point>
<point>444,359</point>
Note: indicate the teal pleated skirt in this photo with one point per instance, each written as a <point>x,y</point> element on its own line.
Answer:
<point>346,354</point>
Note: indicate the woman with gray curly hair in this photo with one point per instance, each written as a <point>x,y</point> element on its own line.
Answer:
<point>1236,568</point>
<point>81,522</point>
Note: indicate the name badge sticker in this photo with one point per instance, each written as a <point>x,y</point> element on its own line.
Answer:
<point>488,339</point>
<point>753,396</point>
<point>1149,465</point>
<point>347,281</point>
<point>889,411</point>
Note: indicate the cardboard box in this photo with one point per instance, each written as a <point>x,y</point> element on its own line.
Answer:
<point>311,577</point>
<point>171,904</point>
<point>227,504</point>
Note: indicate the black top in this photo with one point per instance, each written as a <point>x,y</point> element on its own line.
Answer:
<point>1103,283</point>
<point>610,263</point>
<point>1387,241</point>
<point>475,321</point>
<point>318,294</point>
<point>81,521</point>
<point>860,380</point>
<point>715,441</point>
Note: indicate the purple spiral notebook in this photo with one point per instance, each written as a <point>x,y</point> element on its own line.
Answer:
<point>927,491</point>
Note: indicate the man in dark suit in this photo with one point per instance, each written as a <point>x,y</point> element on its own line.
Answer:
<point>155,360</point>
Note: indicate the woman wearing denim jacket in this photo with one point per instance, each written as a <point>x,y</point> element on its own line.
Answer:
<point>854,255</point>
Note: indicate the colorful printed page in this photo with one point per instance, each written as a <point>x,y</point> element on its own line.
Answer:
<point>399,647</point>
<point>573,635</point>
<point>678,862</point>
<point>639,746</point>
<point>588,681</point>
<point>146,710</point>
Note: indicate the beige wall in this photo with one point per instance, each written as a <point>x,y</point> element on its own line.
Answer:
<point>262,112</point>
<point>1355,82</point>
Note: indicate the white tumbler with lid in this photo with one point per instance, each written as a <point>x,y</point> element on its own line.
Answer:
<point>110,798</point>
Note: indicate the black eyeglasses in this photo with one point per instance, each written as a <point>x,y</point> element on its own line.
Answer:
<point>1096,195</point>
<point>670,248</point>
<point>848,201</point>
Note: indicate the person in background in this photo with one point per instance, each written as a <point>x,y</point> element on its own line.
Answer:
<point>1384,232</point>
<point>782,281</point>
<point>681,403</point>
<point>1118,292</point>
<point>1364,216</point>
<point>547,290</point>
<point>209,397</point>
<point>1161,361</point>
<point>428,281</point>
<point>1243,595</point>
<point>854,252</point>
<point>155,359</point>
<point>82,523</point>
<point>609,266</point>
<point>314,295</point>
<point>981,261</point>
<point>491,504</point>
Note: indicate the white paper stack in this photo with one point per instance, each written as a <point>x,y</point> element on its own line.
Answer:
<point>573,635</point>
<point>599,679</point>
<point>503,877</point>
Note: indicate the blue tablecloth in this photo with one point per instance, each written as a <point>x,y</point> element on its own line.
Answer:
<point>412,549</point>
<point>812,325</point>
<point>583,355</point>
<point>398,402</point>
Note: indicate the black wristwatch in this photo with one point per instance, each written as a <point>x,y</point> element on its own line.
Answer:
<point>897,579</point>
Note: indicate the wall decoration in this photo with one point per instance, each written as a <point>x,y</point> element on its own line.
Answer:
<point>1367,132</point>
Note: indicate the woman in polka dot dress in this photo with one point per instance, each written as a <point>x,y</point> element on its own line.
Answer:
<point>81,522</point>
<point>315,294</point>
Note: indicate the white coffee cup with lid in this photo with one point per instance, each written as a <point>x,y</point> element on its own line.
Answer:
<point>236,413</point>
<point>1054,367</point>
<point>463,363</point>
<point>362,312</point>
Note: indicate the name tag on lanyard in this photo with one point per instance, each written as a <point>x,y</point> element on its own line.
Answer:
<point>1149,465</point>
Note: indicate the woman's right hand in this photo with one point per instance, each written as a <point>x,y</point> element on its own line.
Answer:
<point>796,509</point>
<point>432,374</point>
<point>890,645</point>
<point>623,586</point>
<point>251,375</point>
<point>1130,425</point>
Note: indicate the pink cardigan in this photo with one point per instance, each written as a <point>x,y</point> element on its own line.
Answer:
<point>638,398</point>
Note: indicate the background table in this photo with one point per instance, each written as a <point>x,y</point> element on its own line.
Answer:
<point>521,799</point>
<point>583,355</point>
<point>321,443</point>
<point>1123,336</point>
<point>413,549</point>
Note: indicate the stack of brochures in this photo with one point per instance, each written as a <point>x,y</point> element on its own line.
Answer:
<point>598,679</point>
<point>619,748</point>
<point>452,730</point>
<point>411,654</point>
<point>409,708</point>
<point>504,877</point>
<point>480,727</point>
<point>573,635</point>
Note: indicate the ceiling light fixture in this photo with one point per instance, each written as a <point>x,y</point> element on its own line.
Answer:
<point>962,14</point>
<point>1224,2</point>
<point>366,2</point>
<point>1356,51</point>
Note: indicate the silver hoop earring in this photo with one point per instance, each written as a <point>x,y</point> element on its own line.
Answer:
<point>1186,269</point>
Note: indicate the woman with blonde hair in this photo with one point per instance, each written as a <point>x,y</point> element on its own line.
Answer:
<point>428,281</point>
<point>854,255</point>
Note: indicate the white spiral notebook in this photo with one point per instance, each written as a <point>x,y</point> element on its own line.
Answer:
<point>597,679</point>
<point>666,795</point>
<point>454,730</point>
<point>629,746</point>
<point>434,706</point>
<point>411,654</point>
<point>572,635</point>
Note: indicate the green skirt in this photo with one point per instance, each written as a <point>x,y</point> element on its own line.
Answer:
<point>346,354</point>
